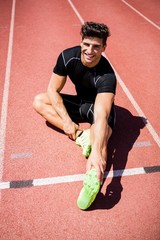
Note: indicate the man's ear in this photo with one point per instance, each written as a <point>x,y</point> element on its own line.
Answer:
<point>104,47</point>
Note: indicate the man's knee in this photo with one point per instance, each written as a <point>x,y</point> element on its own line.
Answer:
<point>37,103</point>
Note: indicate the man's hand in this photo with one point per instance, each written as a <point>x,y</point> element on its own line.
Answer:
<point>70,129</point>
<point>96,161</point>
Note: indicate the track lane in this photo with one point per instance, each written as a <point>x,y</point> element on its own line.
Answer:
<point>33,61</point>
<point>5,12</point>
<point>133,50</point>
<point>44,212</point>
<point>150,9</point>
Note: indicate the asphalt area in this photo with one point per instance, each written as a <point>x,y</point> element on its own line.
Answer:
<point>41,170</point>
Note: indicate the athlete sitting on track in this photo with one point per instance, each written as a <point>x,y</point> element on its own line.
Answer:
<point>95,84</point>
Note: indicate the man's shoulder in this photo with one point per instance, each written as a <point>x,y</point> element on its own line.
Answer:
<point>70,55</point>
<point>104,65</point>
<point>72,51</point>
<point>104,60</point>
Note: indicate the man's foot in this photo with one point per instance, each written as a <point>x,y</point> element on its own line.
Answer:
<point>83,140</point>
<point>91,187</point>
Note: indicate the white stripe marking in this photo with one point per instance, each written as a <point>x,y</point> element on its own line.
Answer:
<point>4,185</point>
<point>6,92</point>
<point>126,91</point>
<point>56,180</point>
<point>21,155</point>
<point>76,12</point>
<point>137,107</point>
<point>78,177</point>
<point>147,19</point>
<point>142,144</point>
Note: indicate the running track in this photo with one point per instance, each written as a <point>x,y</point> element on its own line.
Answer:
<point>41,171</point>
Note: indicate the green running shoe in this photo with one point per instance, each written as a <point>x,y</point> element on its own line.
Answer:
<point>83,140</point>
<point>91,187</point>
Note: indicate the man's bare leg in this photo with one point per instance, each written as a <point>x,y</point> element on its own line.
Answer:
<point>43,106</point>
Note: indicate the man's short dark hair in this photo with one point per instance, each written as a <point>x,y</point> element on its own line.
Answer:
<point>93,29</point>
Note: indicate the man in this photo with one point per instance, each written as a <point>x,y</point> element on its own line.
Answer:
<point>95,84</point>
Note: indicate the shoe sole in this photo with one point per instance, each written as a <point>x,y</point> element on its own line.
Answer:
<point>91,187</point>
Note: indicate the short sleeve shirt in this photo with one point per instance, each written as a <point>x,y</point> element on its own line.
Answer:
<point>88,81</point>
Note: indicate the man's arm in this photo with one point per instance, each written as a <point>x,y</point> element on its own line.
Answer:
<point>100,132</point>
<point>56,84</point>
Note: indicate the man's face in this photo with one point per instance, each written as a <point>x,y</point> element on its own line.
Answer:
<point>91,50</point>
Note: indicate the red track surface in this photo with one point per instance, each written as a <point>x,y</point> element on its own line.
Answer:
<point>42,29</point>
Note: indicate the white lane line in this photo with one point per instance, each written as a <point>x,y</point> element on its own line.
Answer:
<point>126,90</point>
<point>77,178</point>
<point>137,107</point>
<point>135,10</point>
<point>6,91</point>
<point>21,155</point>
<point>76,12</point>
<point>4,185</point>
<point>142,144</point>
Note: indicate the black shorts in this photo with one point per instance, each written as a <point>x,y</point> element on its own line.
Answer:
<point>81,111</point>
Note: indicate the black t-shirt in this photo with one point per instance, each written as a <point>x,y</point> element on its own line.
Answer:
<point>88,81</point>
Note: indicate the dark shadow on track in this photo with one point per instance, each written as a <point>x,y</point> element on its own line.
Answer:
<point>126,132</point>
<point>53,127</point>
